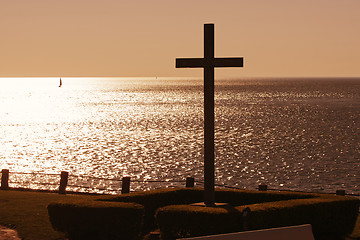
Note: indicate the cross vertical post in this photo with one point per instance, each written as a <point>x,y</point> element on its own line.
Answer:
<point>209,62</point>
<point>209,126</point>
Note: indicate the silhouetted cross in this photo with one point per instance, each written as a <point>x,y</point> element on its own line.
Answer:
<point>209,62</point>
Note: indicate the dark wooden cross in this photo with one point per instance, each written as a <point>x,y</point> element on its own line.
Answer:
<point>209,62</point>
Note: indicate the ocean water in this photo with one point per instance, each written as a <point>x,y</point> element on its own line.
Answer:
<point>298,134</point>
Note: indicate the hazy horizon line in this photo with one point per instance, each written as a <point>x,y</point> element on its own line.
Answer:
<point>187,78</point>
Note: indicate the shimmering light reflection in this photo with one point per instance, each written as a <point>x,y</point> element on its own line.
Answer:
<point>289,134</point>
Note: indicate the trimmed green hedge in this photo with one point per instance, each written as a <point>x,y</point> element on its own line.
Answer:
<point>328,214</point>
<point>97,220</point>
<point>180,221</point>
<point>155,199</point>
<point>133,214</point>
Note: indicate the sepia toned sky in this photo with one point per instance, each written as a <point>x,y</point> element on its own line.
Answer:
<point>142,38</point>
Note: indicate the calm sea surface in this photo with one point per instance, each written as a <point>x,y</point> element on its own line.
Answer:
<point>299,134</point>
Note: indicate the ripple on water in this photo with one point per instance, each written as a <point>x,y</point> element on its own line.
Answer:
<point>288,134</point>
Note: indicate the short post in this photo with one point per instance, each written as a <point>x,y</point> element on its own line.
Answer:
<point>125,188</point>
<point>63,182</point>
<point>190,182</point>
<point>4,179</point>
<point>245,218</point>
<point>340,192</point>
<point>263,187</point>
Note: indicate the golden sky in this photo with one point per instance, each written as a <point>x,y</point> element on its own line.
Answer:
<point>142,38</point>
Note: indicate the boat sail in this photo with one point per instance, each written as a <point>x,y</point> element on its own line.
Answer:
<point>60,82</point>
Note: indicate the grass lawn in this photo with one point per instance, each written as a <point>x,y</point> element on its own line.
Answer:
<point>27,212</point>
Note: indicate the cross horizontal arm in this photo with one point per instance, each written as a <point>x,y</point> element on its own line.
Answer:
<point>215,62</point>
<point>189,62</point>
<point>228,62</point>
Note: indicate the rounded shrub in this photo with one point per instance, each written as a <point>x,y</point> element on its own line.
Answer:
<point>95,220</point>
<point>179,221</point>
